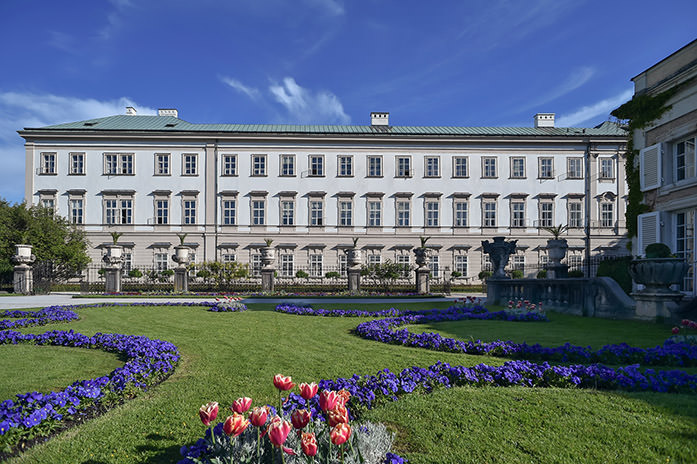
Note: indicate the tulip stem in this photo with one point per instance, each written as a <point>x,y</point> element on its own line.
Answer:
<point>341,453</point>
<point>258,444</point>
<point>283,457</point>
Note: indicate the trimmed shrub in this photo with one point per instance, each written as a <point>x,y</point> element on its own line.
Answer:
<point>542,274</point>
<point>483,275</point>
<point>618,270</point>
<point>576,273</point>
<point>517,274</point>
<point>658,250</point>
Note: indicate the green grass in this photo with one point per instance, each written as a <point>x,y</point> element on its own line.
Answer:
<point>228,355</point>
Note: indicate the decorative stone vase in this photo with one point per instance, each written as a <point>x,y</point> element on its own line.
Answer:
<point>658,274</point>
<point>23,252</point>
<point>421,254</point>
<point>499,251</point>
<point>114,255</point>
<point>556,250</point>
<point>353,257</point>
<point>181,255</point>
<point>268,255</point>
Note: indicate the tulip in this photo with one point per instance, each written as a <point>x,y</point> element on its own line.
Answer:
<point>340,434</point>
<point>208,412</point>
<point>676,330</point>
<point>685,322</point>
<point>338,415</point>
<point>241,405</point>
<point>278,431</point>
<point>308,391</point>
<point>235,425</point>
<point>308,443</point>
<point>328,400</point>
<point>282,382</point>
<point>344,396</point>
<point>258,416</point>
<point>300,418</point>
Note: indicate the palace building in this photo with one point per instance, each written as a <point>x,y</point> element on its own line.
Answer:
<point>313,188</point>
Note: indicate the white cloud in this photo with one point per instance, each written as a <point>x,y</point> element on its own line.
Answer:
<point>600,108</point>
<point>251,92</point>
<point>305,106</point>
<point>19,110</point>
<point>332,7</point>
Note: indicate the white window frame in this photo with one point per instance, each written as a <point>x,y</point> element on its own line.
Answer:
<point>545,167</point>
<point>575,211</point>
<point>403,212</point>
<point>287,212</point>
<point>605,208</point>
<point>489,208</point>
<point>546,213</point>
<point>489,168</point>
<point>460,167</point>
<point>258,165</point>
<point>461,213</point>
<point>460,264</point>
<point>345,212</point>
<point>316,212</point>
<point>316,265</point>
<point>228,165</point>
<point>77,215</point>
<point>345,166</point>
<point>286,165</point>
<point>316,165</point>
<point>48,164</point>
<point>159,208</point>
<point>374,166</point>
<point>514,173</point>
<point>431,166</point>
<point>257,212</point>
<point>287,264</point>
<point>123,210</point>
<point>163,164</point>
<point>374,212</point>
<point>189,164</point>
<point>189,210</point>
<point>689,160</point>
<point>571,171</point>
<point>606,169</point>
<point>77,164</point>
<point>403,166</point>
<point>431,212</point>
<point>228,211</point>
<point>518,216</point>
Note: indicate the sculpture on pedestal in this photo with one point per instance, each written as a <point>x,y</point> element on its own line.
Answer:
<point>23,259</point>
<point>499,251</point>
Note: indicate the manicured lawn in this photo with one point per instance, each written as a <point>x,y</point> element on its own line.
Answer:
<point>228,355</point>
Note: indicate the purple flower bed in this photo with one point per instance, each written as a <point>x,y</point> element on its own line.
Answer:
<point>41,317</point>
<point>290,308</point>
<point>371,390</point>
<point>36,414</point>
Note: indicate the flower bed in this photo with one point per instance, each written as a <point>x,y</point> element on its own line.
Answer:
<point>35,414</point>
<point>43,316</point>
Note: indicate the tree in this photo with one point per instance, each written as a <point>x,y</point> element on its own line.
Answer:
<point>385,274</point>
<point>53,238</point>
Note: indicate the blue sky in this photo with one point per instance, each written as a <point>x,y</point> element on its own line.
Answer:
<point>461,63</point>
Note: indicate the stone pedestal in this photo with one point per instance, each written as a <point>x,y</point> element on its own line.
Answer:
<point>268,271</point>
<point>23,279</point>
<point>422,281</point>
<point>354,280</point>
<point>557,271</point>
<point>651,306</point>
<point>113,279</point>
<point>181,279</point>
<point>267,280</point>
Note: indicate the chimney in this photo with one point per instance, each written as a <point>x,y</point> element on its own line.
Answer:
<point>130,111</point>
<point>168,112</point>
<point>544,120</point>
<point>379,119</point>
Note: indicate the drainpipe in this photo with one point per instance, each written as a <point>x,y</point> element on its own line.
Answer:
<point>587,206</point>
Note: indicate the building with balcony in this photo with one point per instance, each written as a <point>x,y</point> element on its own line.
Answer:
<point>313,188</point>
<point>667,159</point>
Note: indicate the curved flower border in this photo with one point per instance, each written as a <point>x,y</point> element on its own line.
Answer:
<point>36,414</point>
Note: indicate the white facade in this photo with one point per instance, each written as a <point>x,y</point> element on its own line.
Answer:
<point>312,188</point>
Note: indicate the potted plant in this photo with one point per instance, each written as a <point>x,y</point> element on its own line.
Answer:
<point>353,254</point>
<point>658,270</point>
<point>268,254</point>
<point>556,247</point>
<point>421,252</point>
<point>114,252</point>
<point>181,256</point>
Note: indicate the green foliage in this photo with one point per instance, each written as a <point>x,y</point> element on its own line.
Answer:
<point>332,275</point>
<point>384,275</point>
<point>53,239</point>
<point>483,275</point>
<point>455,274</point>
<point>167,272</point>
<point>182,237</point>
<point>220,274</point>
<point>576,273</point>
<point>115,236</point>
<point>302,274</point>
<point>618,270</point>
<point>542,274</point>
<point>658,250</point>
<point>135,273</point>
<point>517,274</point>
<point>556,231</point>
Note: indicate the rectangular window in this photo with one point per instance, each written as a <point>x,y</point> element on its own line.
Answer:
<point>403,214</point>
<point>189,166</point>
<point>432,214</point>
<point>229,165</point>
<point>343,265</point>
<point>127,263</point>
<point>49,203</point>
<point>547,214</point>
<point>287,265</point>
<point>127,164</point>
<point>607,168</point>
<point>546,168</point>
<point>229,212</point>
<point>317,165</point>
<point>434,264</point>
<point>255,260</point>
<point>76,210</point>
<point>374,166</point>
<point>575,214</point>
<point>461,219</point>
<point>116,164</point>
<point>111,164</point>
<point>460,265</point>
<point>518,263</point>
<point>48,163</point>
<point>489,168</point>
<point>685,159</point>
<point>489,208</point>
<point>684,246</point>
<point>316,265</point>
<point>403,166</point>
<point>345,213</point>
<point>287,165</point>
<point>517,214</point>
<point>460,167</point>
<point>126,211</point>
<point>258,165</point>
<point>161,211</point>
<point>574,168</point>
<point>374,213</point>
<point>258,216</point>
<point>607,215</point>
<point>316,212</point>
<point>404,260</point>
<point>287,212</point>
<point>374,259</point>
<point>161,261</point>
<point>518,168</point>
<point>162,164</point>
<point>189,211</point>
<point>575,262</point>
<point>345,166</point>
<point>110,211</point>
<point>77,164</point>
<point>486,263</point>
<point>432,166</point>
<point>228,257</point>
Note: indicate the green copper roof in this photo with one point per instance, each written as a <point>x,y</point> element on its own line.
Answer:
<point>170,123</point>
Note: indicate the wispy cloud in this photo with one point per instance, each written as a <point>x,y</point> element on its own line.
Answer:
<point>19,110</point>
<point>595,110</point>
<point>305,106</point>
<point>251,92</point>
<point>332,7</point>
<point>114,18</point>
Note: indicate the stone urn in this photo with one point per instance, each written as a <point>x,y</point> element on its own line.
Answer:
<point>499,251</point>
<point>353,257</point>
<point>268,255</point>
<point>23,255</point>
<point>658,274</point>
<point>421,254</point>
<point>556,250</point>
<point>181,255</point>
<point>114,254</point>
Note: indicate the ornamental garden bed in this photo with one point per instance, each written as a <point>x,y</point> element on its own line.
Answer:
<point>225,356</point>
